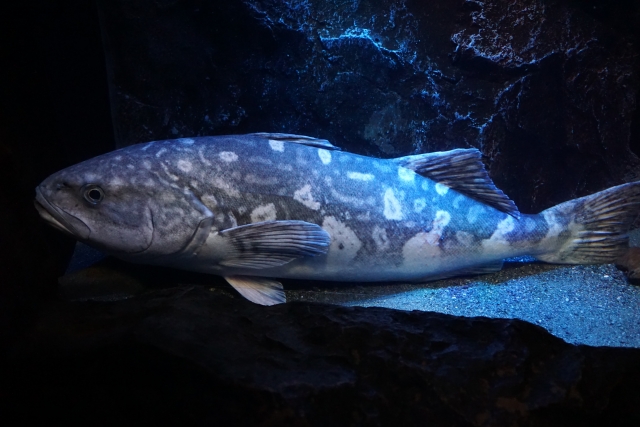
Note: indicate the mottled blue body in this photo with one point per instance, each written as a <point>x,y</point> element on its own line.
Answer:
<point>258,206</point>
<point>386,222</point>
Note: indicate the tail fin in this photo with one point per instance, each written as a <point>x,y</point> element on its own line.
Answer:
<point>592,229</point>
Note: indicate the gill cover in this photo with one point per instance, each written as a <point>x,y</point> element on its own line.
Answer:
<point>117,205</point>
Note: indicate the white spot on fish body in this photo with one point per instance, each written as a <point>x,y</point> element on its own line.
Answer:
<point>354,201</point>
<point>202,158</point>
<point>169,174</point>
<point>118,158</point>
<point>264,213</point>
<point>360,176</point>
<point>419,205</point>
<point>406,175</point>
<point>161,152</point>
<point>186,141</point>
<point>505,226</point>
<point>424,247</point>
<point>529,225</point>
<point>457,201</point>
<point>344,242</point>
<point>226,187</point>
<point>209,201</point>
<point>146,164</point>
<point>498,238</point>
<point>130,166</point>
<point>419,250</point>
<point>424,185</point>
<point>256,180</point>
<point>116,182</point>
<point>304,196</point>
<point>465,239</point>
<point>380,238</point>
<point>286,168</point>
<point>325,156</point>
<point>441,220</point>
<point>441,189</point>
<point>147,146</point>
<point>228,156</point>
<point>256,159</point>
<point>276,145</point>
<point>233,220</point>
<point>392,207</point>
<point>554,227</point>
<point>473,213</point>
<point>364,217</point>
<point>184,165</point>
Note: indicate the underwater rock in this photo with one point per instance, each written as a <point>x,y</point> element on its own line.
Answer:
<point>547,90</point>
<point>192,355</point>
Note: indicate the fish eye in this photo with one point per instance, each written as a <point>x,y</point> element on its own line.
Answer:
<point>93,194</point>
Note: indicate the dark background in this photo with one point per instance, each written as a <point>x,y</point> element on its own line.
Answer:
<point>54,112</point>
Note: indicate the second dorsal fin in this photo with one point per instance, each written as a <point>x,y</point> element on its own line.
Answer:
<point>297,139</point>
<point>462,170</point>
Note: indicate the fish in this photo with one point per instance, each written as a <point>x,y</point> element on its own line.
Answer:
<point>258,208</point>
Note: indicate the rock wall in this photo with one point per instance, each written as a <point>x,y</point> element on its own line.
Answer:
<point>546,89</point>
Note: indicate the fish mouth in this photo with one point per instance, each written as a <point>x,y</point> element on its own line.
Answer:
<point>59,219</point>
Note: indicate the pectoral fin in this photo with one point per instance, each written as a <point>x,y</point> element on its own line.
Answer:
<point>258,290</point>
<point>274,243</point>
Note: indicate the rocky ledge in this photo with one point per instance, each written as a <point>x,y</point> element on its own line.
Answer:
<point>196,355</point>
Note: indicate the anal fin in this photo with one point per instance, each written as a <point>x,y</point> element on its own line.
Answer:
<point>258,290</point>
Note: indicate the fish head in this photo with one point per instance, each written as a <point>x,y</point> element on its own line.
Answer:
<point>117,204</point>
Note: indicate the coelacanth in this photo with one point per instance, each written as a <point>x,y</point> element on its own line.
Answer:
<point>257,207</point>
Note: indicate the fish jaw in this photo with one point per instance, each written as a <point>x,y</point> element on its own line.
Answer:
<point>58,219</point>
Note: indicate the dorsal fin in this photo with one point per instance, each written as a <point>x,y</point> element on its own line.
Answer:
<point>462,170</point>
<point>297,139</point>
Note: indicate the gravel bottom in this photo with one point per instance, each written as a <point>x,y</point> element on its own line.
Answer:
<point>583,304</point>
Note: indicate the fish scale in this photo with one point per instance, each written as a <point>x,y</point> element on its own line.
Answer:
<point>257,207</point>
